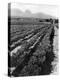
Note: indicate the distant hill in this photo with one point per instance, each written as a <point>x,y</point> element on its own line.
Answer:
<point>16,12</point>
<point>27,13</point>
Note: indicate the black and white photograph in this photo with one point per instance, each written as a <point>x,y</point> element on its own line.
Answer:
<point>33,35</point>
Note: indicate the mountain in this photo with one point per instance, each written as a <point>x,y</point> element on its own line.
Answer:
<point>16,12</point>
<point>41,15</point>
<point>27,13</point>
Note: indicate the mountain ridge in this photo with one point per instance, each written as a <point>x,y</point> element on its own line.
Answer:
<point>29,14</point>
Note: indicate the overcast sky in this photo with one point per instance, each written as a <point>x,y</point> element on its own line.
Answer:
<point>47,9</point>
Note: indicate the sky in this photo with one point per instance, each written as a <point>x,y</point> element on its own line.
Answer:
<point>34,8</point>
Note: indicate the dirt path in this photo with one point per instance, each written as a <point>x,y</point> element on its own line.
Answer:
<point>55,48</point>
